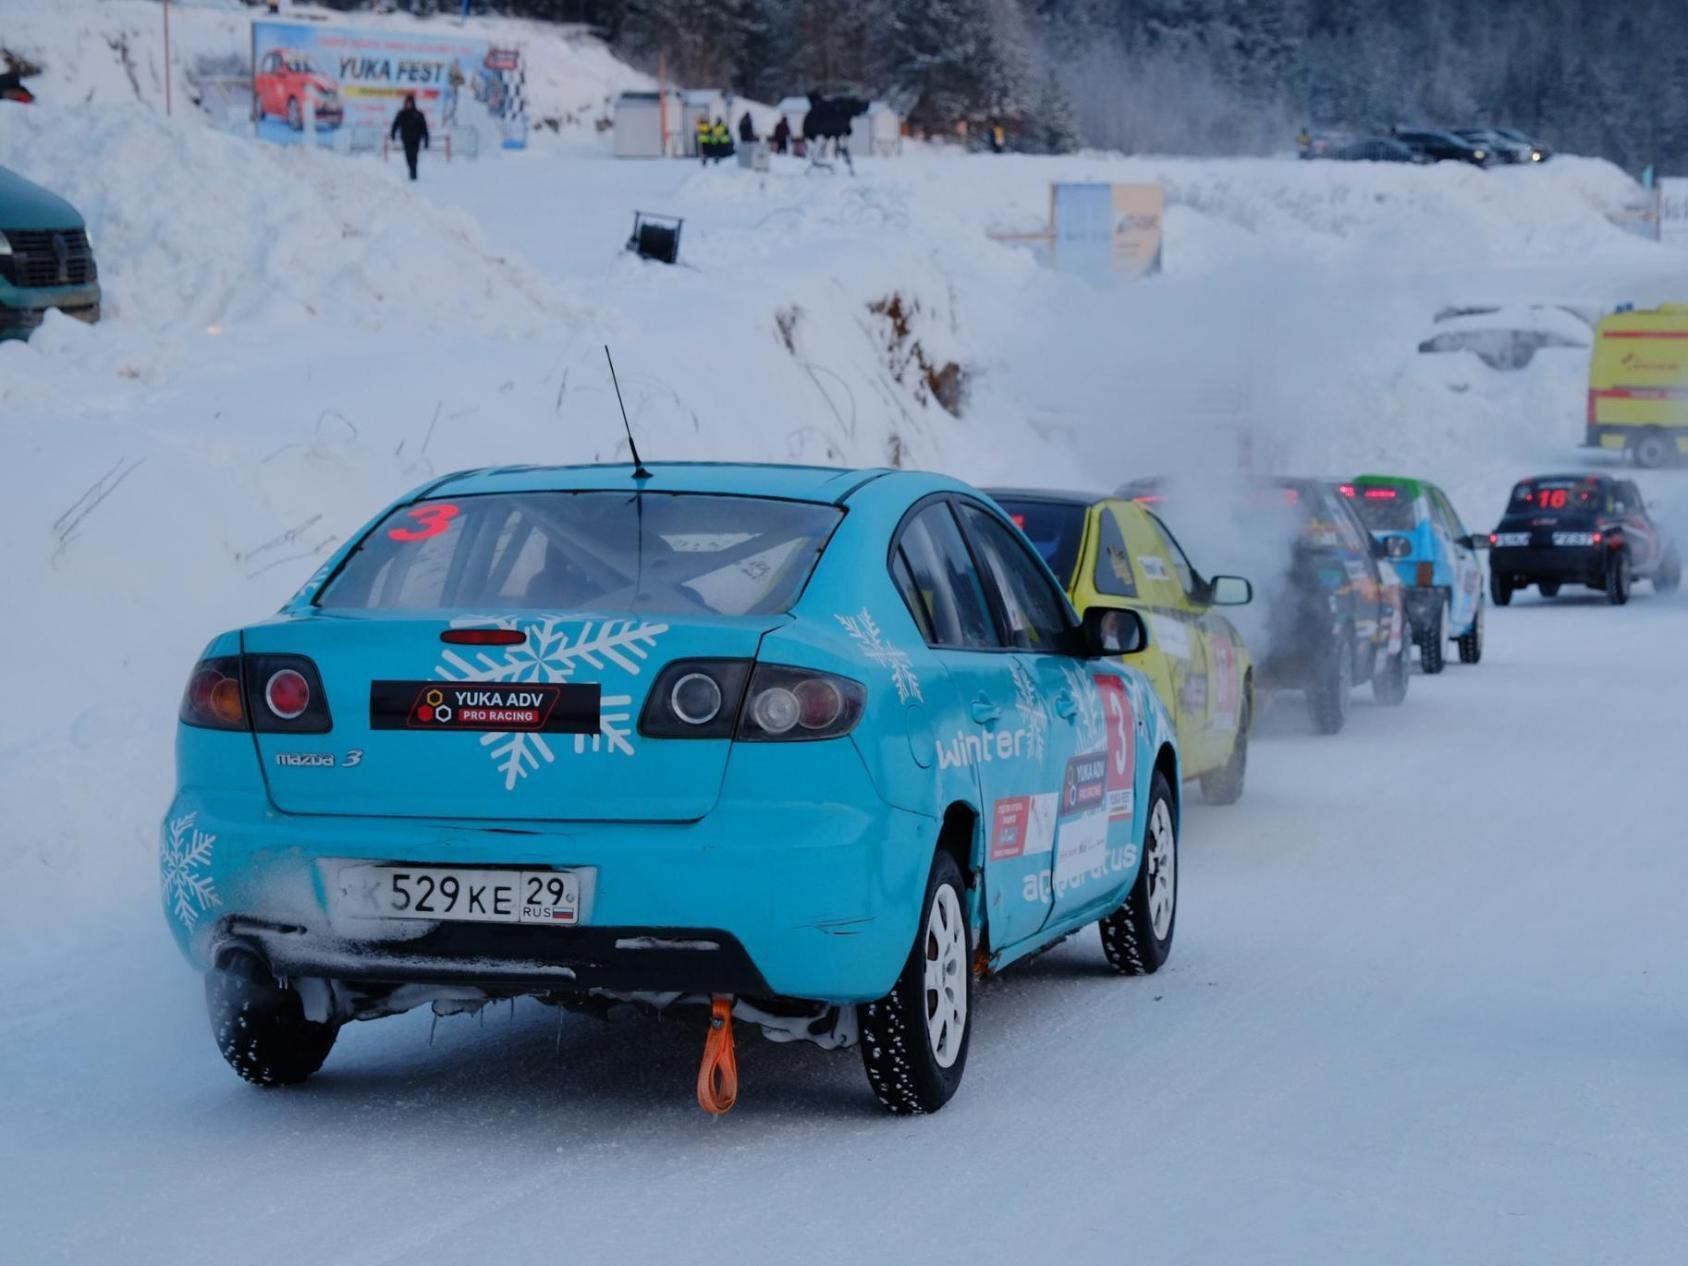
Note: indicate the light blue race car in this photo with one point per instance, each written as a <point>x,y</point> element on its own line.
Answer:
<point>812,747</point>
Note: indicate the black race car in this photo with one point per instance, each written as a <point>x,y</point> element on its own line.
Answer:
<point>1589,530</point>
<point>1334,614</point>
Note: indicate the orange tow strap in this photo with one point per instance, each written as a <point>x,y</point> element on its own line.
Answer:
<point>717,1078</point>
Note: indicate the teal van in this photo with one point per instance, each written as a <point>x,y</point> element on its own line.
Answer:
<point>45,259</point>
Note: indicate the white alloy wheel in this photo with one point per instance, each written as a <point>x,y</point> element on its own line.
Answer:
<point>946,976</point>
<point>1162,862</point>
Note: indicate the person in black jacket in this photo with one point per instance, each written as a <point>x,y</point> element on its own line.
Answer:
<point>410,129</point>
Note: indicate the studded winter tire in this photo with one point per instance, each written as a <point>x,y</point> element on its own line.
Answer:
<point>914,1040</point>
<point>1137,937</point>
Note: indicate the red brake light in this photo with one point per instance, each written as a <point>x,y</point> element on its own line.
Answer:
<point>1346,490</point>
<point>288,694</point>
<point>1380,494</point>
<point>1494,539</point>
<point>1147,498</point>
<point>483,637</point>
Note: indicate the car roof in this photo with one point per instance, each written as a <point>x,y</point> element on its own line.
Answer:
<point>1578,476</point>
<point>792,483</point>
<point>1052,496</point>
<point>1412,485</point>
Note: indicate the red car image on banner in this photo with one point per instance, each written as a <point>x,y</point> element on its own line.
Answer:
<point>286,85</point>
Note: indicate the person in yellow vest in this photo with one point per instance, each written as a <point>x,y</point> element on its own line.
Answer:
<point>721,141</point>
<point>703,132</point>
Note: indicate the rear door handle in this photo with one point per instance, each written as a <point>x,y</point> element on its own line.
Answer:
<point>1066,706</point>
<point>984,711</point>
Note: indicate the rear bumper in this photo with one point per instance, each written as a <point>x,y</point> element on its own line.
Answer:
<point>23,309</point>
<point>1570,564</point>
<point>815,897</point>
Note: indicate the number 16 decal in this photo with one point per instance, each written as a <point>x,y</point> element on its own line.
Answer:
<point>431,519</point>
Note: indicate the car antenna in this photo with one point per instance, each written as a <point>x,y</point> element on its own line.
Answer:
<point>639,471</point>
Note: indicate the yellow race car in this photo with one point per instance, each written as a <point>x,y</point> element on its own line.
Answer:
<point>1109,551</point>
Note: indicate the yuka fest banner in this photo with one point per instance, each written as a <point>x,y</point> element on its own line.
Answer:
<point>308,80</point>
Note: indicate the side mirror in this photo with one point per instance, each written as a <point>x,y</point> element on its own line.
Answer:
<point>1397,547</point>
<point>1111,631</point>
<point>1230,591</point>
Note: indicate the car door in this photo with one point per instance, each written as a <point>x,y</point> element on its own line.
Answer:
<point>1359,562</point>
<point>1175,626</point>
<point>1464,562</point>
<point>1002,725</point>
<point>1058,697</point>
<point>1645,548</point>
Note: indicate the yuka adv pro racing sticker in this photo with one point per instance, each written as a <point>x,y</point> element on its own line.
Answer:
<point>526,707</point>
<point>1081,838</point>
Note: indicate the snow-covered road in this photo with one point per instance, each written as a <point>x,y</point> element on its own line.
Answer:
<point>1428,1003</point>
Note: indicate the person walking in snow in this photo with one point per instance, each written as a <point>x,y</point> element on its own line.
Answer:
<point>747,129</point>
<point>781,136</point>
<point>410,129</point>
<point>703,141</point>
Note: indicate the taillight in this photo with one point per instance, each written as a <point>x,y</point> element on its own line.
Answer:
<point>284,695</point>
<point>797,704</point>
<point>261,692</point>
<point>1494,539</point>
<point>763,703</point>
<point>213,697</point>
<point>695,698</point>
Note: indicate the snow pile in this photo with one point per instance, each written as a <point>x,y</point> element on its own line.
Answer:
<point>193,225</point>
<point>111,52</point>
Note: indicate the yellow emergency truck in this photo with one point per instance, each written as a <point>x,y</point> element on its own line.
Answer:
<point>1638,384</point>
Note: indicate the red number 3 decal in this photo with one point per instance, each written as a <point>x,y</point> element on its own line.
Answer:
<point>431,520</point>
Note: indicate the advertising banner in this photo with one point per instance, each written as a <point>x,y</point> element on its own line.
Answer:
<point>1673,210</point>
<point>1107,232</point>
<point>341,86</point>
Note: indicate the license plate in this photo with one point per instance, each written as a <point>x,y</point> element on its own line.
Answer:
<point>459,895</point>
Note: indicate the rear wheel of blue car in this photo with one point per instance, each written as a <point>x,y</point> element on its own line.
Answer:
<point>915,1038</point>
<point>260,1026</point>
<point>1471,641</point>
<point>1430,649</point>
<point>1137,937</point>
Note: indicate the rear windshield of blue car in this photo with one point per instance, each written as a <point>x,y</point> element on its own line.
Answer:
<point>663,553</point>
<point>1385,509</point>
<point>1054,528</point>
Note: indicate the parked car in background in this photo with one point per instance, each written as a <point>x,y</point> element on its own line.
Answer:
<point>286,81</point>
<point>1538,152</point>
<point>1378,149</point>
<point>1436,559</point>
<point>1440,147</point>
<point>1110,551</point>
<point>45,259</point>
<point>1590,530</point>
<point>1501,146</point>
<point>807,746</point>
<point>1638,384</point>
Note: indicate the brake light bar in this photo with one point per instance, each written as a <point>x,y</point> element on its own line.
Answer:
<point>1380,494</point>
<point>483,637</point>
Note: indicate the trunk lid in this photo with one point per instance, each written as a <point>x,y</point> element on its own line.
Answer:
<point>571,752</point>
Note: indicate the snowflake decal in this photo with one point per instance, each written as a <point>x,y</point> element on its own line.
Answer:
<point>1088,719</point>
<point>865,630</point>
<point>554,649</point>
<point>1034,713</point>
<point>183,864</point>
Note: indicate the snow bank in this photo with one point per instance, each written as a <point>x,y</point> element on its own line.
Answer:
<point>193,225</point>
